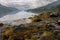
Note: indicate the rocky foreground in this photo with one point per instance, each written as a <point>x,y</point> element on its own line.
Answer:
<point>45,26</point>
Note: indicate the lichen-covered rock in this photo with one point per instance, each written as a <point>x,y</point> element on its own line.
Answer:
<point>1,24</point>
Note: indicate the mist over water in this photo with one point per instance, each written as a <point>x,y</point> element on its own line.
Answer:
<point>19,15</point>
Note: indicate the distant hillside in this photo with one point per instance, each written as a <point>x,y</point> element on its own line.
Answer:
<point>45,8</point>
<point>6,10</point>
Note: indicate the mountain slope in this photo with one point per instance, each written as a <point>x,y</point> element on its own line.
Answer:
<point>45,8</point>
<point>6,10</point>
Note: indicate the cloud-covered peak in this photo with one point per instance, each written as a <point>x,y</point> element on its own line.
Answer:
<point>25,4</point>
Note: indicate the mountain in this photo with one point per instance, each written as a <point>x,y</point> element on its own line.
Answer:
<point>25,4</point>
<point>6,10</point>
<point>45,8</point>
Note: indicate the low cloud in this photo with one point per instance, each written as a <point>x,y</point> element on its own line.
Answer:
<point>25,4</point>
